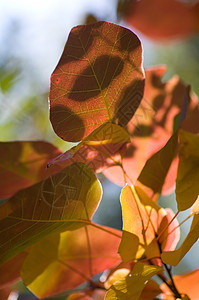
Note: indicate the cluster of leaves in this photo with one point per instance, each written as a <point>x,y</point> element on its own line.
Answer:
<point>142,134</point>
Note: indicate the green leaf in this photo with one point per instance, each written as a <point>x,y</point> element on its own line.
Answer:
<point>98,79</point>
<point>65,201</point>
<point>187,188</point>
<point>174,257</point>
<point>131,287</point>
<point>73,255</point>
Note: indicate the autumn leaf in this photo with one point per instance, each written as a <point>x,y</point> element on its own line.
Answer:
<point>11,269</point>
<point>65,201</point>
<point>23,164</point>
<point>152,19</point>
<point>186,284</point>
<point>174,257</point>
<point>76,255</point>
<point>187,189</point>
<point>152,126</point>
<point>132,286</point>
<point>98,79</point>
<point>156,168</point>
<point>151,224</point>
<point>98,150</point>
<point>141,218</point>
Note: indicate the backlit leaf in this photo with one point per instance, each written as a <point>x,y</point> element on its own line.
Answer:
<point>156,168</point>
<point>151,18</point>
<point>99,78</point>
<point>187,188</point>
<point>97,150</point>
<point>141,217</point>
<point>23,164</point>
<point>68,259</point>
<point>174,257</point>
<point>128,246</point>
<point>152,126</point>
<point>132,286</point>
<point>65,201</point>
<point>186,284</point>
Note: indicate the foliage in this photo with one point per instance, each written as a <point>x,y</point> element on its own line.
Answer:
<point>142,133</point>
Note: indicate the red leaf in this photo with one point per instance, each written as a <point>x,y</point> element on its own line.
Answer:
<point>11,269</point>
<point>23,164</point>
<point>152,126</point>
<point>84,90</point>
<point>163,20</point>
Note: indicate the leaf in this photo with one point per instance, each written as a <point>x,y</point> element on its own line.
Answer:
<point>187,189</point>
<point>152,19</point>
<point>131,287</point>
<point>23,164</point>
<point>195,207</point>
<point>97,294</point>
<point>98,149</point>
<point>84,91</point>
<point>186,284</point>
<point>65,201</point>
<point>128,246</point>
<point>152,126</point>
<point>150,291</point>
<point>141,217</point>
<point>11,270</point>
<point>73,255</point>
<point>174,257</point>
<point>156,168</point>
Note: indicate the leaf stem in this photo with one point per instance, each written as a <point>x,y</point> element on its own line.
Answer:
<point>165,228</point>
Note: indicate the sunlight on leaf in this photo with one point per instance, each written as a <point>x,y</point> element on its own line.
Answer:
<point>141,217</point>
<point>99,78</point>
<point>105,141</point>
<point>131,287</point>
<point>65,201</point>
<point>152,126</point>
<point>174,257</point>
<point>73,255</point>
<point>187,188</point>
<point>23,164</point>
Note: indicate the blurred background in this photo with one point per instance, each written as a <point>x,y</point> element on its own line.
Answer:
<point>32,37</point>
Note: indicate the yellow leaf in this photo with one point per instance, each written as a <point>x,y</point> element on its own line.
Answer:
<point>141,217</point>
<point>195,207</point>
<point>117,275</point>
<point>187,188</point>
<point>131,287</point>
<point>128,246</point>
<point>174,257</point>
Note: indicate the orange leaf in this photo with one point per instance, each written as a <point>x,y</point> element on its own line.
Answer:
<point>186,284</point>
<point>73,255</point>
<point>23,164</point>
<point>84,90</point>
<point>163,20</point>
<point>152,126</point>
